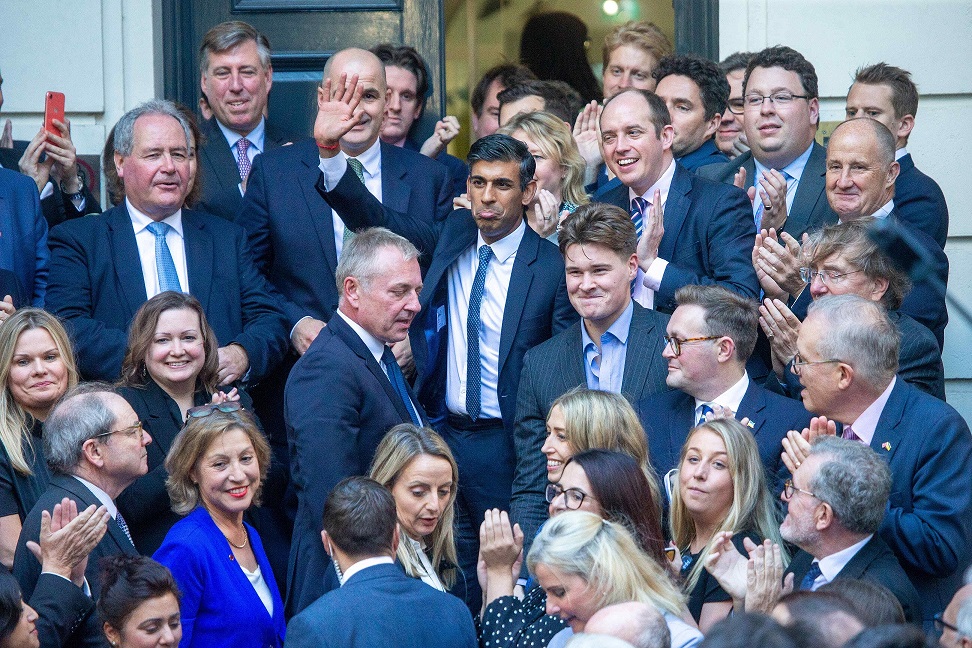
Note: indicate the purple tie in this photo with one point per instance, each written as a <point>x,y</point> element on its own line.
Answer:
<point>242,159</point>
<point>850,436</point>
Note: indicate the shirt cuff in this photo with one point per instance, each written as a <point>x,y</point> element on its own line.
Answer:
<point>84,585</point>
<point>655,273</point>
<point>295,327</point>
<point>48,190</point>
<point>333,169</point>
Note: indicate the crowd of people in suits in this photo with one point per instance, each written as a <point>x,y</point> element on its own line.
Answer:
<point>640,371</point>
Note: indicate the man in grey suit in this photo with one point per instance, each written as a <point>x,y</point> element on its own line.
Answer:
<point>617,346</point>
<point>235,76</point>
<point>784,169</point>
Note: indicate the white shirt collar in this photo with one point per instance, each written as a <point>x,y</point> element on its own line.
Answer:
<point>370,159</point>
<point>101,495</point>
<point>731,397</point>
<point>833,564</point>
<point>663,184</point>
<point>506,247</point>
<point>866,423</point>
<point>794,169</point>
<point>885,210</point>
<point>900,153</point>
<point>376,346</point>
<point>256,137</point>
<point>365,564</point>
<point>140,221</point>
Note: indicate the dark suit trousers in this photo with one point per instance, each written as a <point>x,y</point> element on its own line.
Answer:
<point>484,453</point>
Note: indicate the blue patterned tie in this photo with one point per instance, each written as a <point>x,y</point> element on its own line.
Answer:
<point>168,277</point>
<point>120,521</point>
<point>705,411</point>
<point>474,395</point>
<point>397,381</point>
<point>811,577</point>
<point>639,207</point>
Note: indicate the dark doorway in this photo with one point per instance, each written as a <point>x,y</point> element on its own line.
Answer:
<point>303,34</point>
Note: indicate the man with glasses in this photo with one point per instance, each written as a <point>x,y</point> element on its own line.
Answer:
<point>95,447</point>
<point>847,357</point>
<point>842,259</point>
<point>617,346</point>
<point>955,623</point>
<point>710,338</point>
<point>783,171</point>
<point>731,135</point>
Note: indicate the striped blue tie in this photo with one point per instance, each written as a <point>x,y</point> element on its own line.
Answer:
<point>639,207</point>
<point>168,277</point>
<point>474,395</point>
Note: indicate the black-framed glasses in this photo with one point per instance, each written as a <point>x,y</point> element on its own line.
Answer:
<point>828,277</point>
<point>941,624</point>
<point>799,362</point>
<point>755,100</point>
<point>131,430</point>
<point>202,411</point>
<point>675,344</point>
<point>737,105</point>
<point>573,497</point>
<point>789,490</point>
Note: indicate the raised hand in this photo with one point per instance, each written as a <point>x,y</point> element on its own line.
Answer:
<point>773,192</point>
<point>544,216</point>
<point>445,131</point>
<point>337,113</point>
<point>728,566</point>
<point>653,232</point>
<point>782,327</point>
<point>587,136</point>
<point>780,258</point>
<point>501,553</point>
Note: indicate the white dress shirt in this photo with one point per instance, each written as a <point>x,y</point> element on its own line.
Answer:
<point>728,399</point>
<point>256,137</point>
<point>794,170</point>
<point>365,564</point>
<point>334,169</point>
<point>866,424</point>
<point>833,564</point>
<point>646,283</point>
<point>461,276</point>
<point>146,249</point>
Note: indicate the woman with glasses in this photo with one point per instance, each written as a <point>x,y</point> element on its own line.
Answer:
<point>36,368</point>
<point>721,487</point>
<point>171,365</point>
<point>417,467</point>
<point>560,169</point>
<point>216,467</point>
<point>611,485</point>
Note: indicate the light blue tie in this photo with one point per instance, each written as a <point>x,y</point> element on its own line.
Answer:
<point>168,277</point>
<point>397,381</point>
<point>639,207</point>
<point>759,210</point>
<point>473,360</point>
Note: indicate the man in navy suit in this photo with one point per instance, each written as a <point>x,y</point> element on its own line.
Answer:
<point>103,268</point>
<point>847,357</point>
<point>696,93</point>
<point>236,77</point>
<point>690,230</point>
<point>377,605</point>
<point>783,171</point>
<point>616,347</point>
<point>301,199</point>
<point>887,94</point>
<point>24,256</point>
<point>345,393</point>
<point>494,290</point>
<point>710,337</point>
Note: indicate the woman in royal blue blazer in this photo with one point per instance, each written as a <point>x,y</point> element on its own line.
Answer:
<point>229,596</point>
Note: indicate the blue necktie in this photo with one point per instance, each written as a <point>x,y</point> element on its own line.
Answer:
<point>706,410</point>
<point>120,521</point>
<point>473,320</point>
<point>639,207</point>
<point>759,209</point>
<point>811,577</point>
<point>168,277</point>
<point>397,381</point>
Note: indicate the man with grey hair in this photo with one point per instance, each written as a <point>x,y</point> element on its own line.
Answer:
<point>640,624</point>
<point>955,623</point>
<point>103,268</point>
<point>345,393</point>
<point>847,355</point>
<point>236,77</point>
<point>95,447</point>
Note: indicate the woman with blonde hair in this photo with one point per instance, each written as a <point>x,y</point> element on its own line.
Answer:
<point>721,487</point>
<point>416,465</point>
<point>560,169</point>
<point>587,419</point>
<point>36,368</point>
<point>585,562</point>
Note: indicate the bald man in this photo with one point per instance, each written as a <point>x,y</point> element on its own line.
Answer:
<point>640,624</point>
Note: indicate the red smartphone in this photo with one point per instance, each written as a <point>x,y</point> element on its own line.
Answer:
<point>53,109</point>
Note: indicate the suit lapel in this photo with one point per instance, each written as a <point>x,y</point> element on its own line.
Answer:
<point>809,191</point>
<point>219,156</point>
<point>318,210</point>
<point>752,406</point>
<point>570,359</point>
<point>124,251</point>
<point>888,436</point>
<point>676,209</point>
<point>638,363</point>
<point>682,420</point>
<point>395,191</point>
<point>516,295</point>
<point>84,498</point>
<point>200,257</point>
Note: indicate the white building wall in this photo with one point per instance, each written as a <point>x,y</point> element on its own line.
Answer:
<point>100,53</point>
<point>930,39</point>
